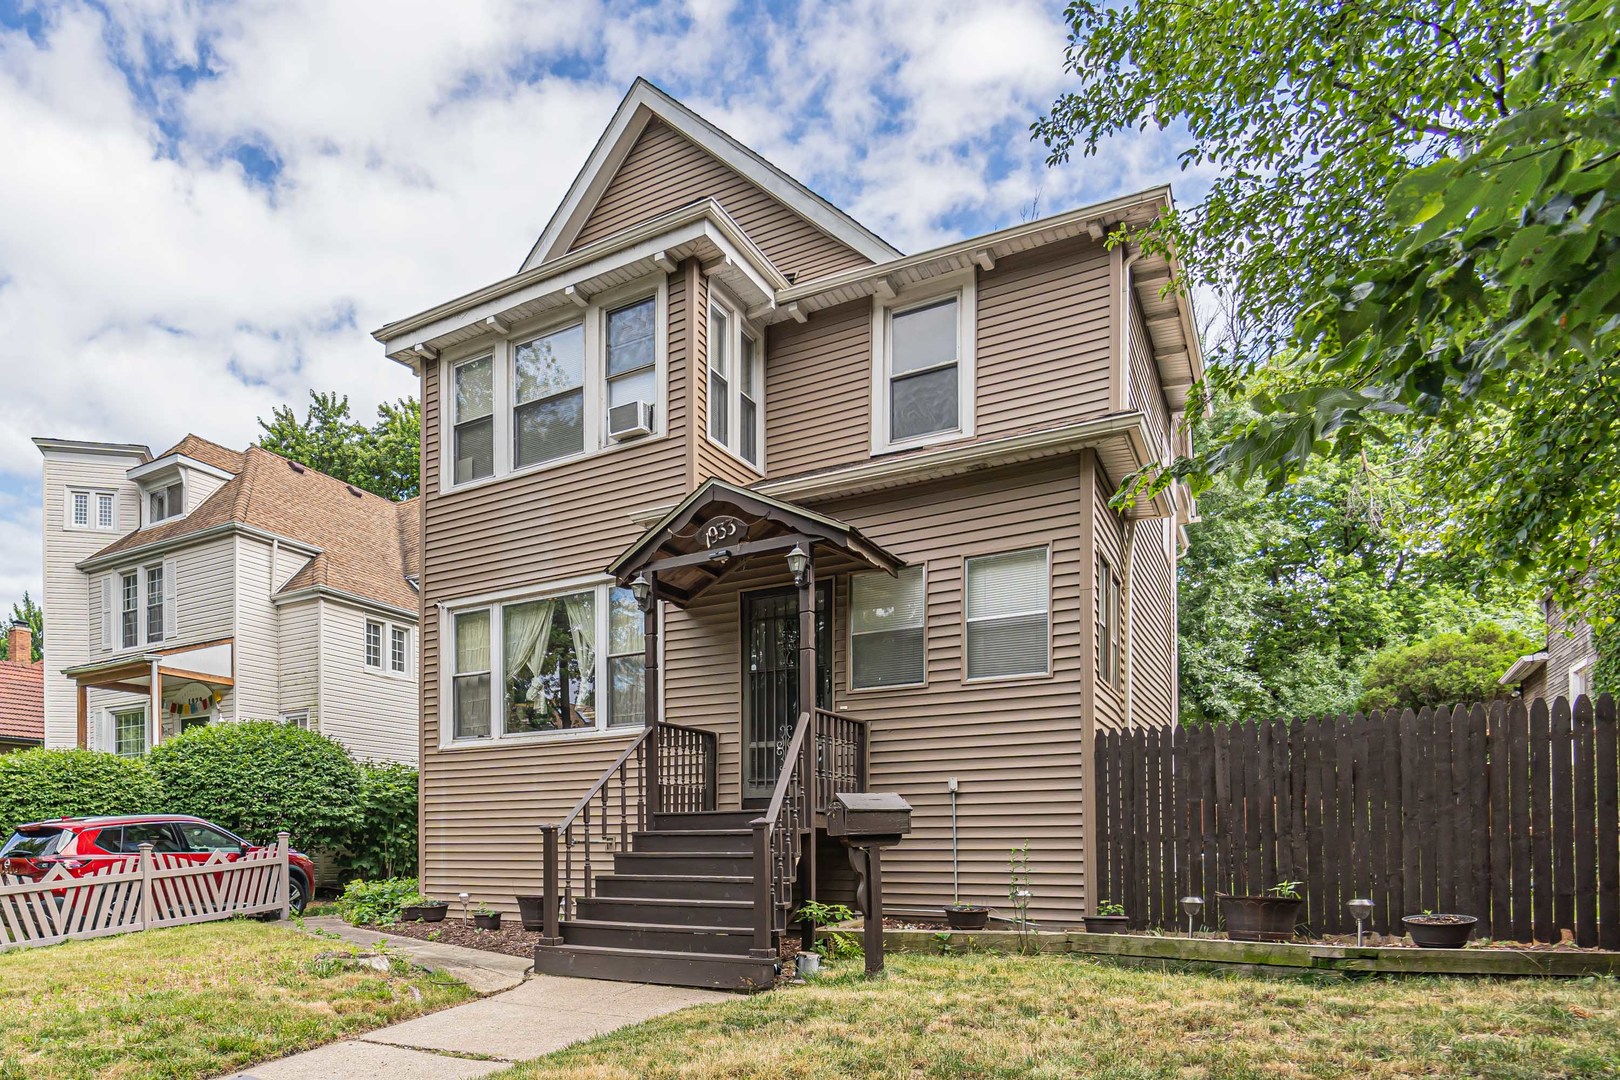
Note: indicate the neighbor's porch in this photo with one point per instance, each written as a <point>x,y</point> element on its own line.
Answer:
<point>182,686</point>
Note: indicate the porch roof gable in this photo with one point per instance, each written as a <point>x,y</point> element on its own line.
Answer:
<point>691,548</point>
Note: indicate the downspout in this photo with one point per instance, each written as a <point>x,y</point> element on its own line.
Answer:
<point>1127,548</point>
<point>1123,340</point>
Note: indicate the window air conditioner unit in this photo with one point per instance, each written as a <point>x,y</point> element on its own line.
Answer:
<point>630,420</point>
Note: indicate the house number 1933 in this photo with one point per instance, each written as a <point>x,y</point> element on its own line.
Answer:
<point>723,530</point>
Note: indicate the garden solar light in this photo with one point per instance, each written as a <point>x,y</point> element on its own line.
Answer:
<point>1194,907</point>
<point>1361,910</point>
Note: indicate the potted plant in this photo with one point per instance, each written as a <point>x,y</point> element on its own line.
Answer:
<point>487,919</point>
<point>967,916</point>
<point>1431,931</point>
<point>419,908</point>
<point>1271,916</point>
<point>532,912</point>
<point>1110,919</point>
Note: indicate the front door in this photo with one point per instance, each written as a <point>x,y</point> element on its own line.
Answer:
<point>771,680</point>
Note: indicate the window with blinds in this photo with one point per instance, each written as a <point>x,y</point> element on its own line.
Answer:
<point>1008,611</point>
<point>886,629</point>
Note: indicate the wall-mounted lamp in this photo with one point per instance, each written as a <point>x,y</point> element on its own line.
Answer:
<point>641,589</point>
<point>798,561</point>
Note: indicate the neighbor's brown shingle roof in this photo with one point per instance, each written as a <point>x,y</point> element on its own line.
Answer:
<point>368,544</point>
<point>22,701</point>
<point>209,453</point>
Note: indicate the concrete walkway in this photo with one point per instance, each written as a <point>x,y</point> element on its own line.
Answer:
<point>535,1016</point>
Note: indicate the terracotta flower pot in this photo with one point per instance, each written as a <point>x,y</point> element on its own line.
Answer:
<point>967,917</point>
<point>1107,924</point>
<point>1259,918</point>
<point>1440,931</point>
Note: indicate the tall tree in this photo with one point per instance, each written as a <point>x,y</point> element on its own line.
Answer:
<point>384,458</point>
<point>1419,203</point>
<point>31,615</point>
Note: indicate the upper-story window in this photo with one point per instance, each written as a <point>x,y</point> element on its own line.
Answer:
<point>138,606</point>
<point>922,388</point>
<point>556,391</point>
<point>129,611</point>
<point>91,510</point>
<point>736,378</point>
<point>165,502</point>
<point>154,603</point>
<point>398,638</point>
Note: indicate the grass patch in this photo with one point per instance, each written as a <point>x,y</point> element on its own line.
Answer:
<point>192,1001</point>
<point>1059,1016</point>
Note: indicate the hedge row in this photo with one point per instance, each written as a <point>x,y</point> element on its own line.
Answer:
<point>254,778</point>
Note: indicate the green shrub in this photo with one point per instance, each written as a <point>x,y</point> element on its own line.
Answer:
<point>367,903</point>
<point>1446,669</point>
<point>383,844</point>
<point>37,784</point>
<point>260,777</point>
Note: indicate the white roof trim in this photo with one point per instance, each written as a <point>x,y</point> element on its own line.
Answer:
<point>47,445</point>
<point>187,539</point>
<point>158,465</point>
<point>1522,668</point>
<point>640,105</point>
<point>327,592</point>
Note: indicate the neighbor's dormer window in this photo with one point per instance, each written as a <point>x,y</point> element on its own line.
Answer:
<point>165,502</point>
<point>923,369</point>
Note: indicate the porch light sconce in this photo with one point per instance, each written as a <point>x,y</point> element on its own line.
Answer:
<point>798,561</point>
<point>1194,907</point>
<point>641,589</point>
<point>1360,910</point>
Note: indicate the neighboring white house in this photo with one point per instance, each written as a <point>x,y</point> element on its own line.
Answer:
<point>206,585</point>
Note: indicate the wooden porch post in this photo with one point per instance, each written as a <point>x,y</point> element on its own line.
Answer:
<point>807,704</point>
<point>154,720</point>
<point>84,717</point>
<point>649,632</point>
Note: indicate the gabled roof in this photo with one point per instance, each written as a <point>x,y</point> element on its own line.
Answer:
<point>22,701</point>
<point>646,101</point>
<point>200,449</point>
<point>365,545</point>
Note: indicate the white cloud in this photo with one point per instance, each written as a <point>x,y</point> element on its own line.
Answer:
<point>150,287</point>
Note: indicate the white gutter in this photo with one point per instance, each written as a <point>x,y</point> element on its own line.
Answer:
<point>378,607</point>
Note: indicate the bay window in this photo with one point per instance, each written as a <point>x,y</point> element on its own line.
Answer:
<point>886,629</point>
<point>548,381</point>
<point>736,378</point>
<point>1008,612</point>
<point>474,430</point>
<point>567,662</point>
<point>922,389</point>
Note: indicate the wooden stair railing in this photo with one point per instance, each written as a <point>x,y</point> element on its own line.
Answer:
<point>840,759</point>
<point>685,779</point>
<point>777,840</point>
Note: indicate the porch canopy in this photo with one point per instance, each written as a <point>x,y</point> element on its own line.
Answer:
<point>210,663</point>
<point>720,527</point>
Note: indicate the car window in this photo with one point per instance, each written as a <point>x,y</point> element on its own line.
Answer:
<point>33,844</point>
<point>200,837</point>
<point>110,839</point>
<point>159,834</point>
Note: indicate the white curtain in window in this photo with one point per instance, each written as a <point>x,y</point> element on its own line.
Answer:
<point>581,610</point>
<point>528,630</point>
<point>472,690</point>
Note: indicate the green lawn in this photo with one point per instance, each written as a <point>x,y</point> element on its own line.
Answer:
<point>989,1016</point>
<point>192,1001</point>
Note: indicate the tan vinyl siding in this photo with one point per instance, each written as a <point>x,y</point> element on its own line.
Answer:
<point>372,713</point>
<point>1145,394</point>
<point>1153,670</point>
<point>665,171</point>
<point>1108,542</point>
<point>1044,340</point>
<point>74,636</point>
<point>1569,644</point>
<point>818,390</point>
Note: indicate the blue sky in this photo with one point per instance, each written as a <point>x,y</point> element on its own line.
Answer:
<point>219,200</point>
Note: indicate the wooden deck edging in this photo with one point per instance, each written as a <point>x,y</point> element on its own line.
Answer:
<point>1259,956</point>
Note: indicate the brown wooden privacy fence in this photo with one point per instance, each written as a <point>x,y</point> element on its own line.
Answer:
<point>1509,812</point>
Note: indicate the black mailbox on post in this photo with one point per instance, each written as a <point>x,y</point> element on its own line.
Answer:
<point>869,816</point>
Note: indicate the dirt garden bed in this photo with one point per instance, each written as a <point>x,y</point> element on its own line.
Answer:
<point>510,940</point>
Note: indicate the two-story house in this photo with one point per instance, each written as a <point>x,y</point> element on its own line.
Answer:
<point>207,584</point>
<point>716,449</point>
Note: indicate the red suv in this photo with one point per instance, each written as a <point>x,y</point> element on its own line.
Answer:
<point>81,844</point>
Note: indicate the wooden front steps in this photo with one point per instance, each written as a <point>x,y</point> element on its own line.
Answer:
<point>677,909</point>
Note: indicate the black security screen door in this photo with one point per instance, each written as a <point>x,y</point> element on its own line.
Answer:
<point>771,679</point>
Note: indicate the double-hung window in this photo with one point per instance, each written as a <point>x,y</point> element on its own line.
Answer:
<point>374,633</point>
<point>563,663</point>
<point>1008,611</point>
<point>886,620</point>
<point>1107,622</point>
<point>632,353</point>
<point>154,603</point>
<point>736,379</point>
<point>129,612</point>
<point>474,432</point>
<point>548,382</point>
<point>923,369</point>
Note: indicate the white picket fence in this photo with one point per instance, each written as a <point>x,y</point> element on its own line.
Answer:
<point>141,893</point>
